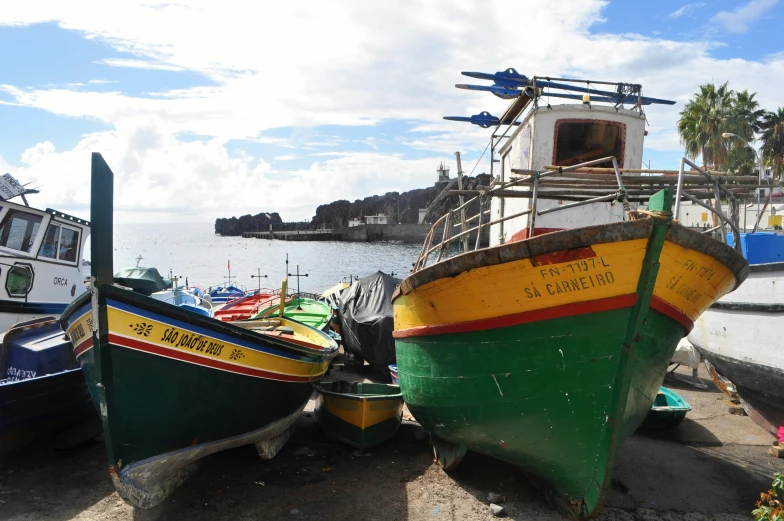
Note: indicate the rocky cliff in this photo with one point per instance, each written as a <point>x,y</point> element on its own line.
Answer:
<point>399,207</point>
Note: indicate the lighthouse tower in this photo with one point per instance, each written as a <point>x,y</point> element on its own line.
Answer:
<point>443,173</point>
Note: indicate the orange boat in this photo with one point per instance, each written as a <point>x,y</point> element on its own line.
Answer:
<point>245,307</point>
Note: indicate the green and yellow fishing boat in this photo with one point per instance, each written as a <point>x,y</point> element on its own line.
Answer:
<point>306,310</point>
<point>547,348</point>
<point>359,414</point>
<point>173,386</point>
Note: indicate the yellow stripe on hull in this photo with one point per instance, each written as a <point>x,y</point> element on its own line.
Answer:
<point>688,281</point>
<point>363,413</point>
<point>691,281</point>
<point>166,336</point>
<point>520,286</point>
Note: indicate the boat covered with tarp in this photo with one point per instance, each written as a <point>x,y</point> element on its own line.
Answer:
<point>142,280</point>
<point>367,319</point>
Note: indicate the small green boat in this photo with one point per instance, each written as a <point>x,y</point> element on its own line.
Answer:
<point>667,412</point>
<point>306,310</point>
<point>359,414</point>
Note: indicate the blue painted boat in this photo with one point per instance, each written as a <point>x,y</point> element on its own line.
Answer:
<point>393,374</point>
<point>667,412</point>
<point>42,388</point>
<point>224,294</point>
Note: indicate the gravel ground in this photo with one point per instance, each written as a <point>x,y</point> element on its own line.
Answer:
<point>713,466</point>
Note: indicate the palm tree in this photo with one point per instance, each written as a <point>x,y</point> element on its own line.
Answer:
<point>704,119</point>
<point>772,137</point>
<point>744,121</point>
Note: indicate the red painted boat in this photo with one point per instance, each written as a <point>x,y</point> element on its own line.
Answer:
<point>245,307</point>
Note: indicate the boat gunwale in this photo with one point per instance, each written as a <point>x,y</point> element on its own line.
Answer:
<point>574,238</point>
<point>211,324</point>
<point>358,397</point>
<point>766,266</point>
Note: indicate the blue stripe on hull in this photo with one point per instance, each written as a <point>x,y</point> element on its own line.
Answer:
<point>44,308</point>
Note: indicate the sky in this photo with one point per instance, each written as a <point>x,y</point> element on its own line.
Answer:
<point>213,109</point>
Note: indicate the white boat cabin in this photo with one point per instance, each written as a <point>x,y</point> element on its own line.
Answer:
<point>565,135</point>
<point>41,269</point>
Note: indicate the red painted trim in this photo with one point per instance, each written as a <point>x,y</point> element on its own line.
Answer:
<point>566,310</point>
<point>523,234</point>
<point>83,347</point>
<point>668,310</point>
<point>132,343</point>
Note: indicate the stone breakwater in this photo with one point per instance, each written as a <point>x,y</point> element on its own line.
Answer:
<point>409,233</point>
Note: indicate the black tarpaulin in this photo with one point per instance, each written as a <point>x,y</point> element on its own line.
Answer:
<point>366,319</point>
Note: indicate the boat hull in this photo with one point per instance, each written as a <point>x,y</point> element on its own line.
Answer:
<point>360,421</point>
<point>547,353</point>
<point>667,412</point>
<point>172,387</point>
<point>739,336</point>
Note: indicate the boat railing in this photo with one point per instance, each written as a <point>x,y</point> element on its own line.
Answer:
<point>583,184</point>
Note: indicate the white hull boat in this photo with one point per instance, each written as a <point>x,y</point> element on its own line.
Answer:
<point>741,336</point>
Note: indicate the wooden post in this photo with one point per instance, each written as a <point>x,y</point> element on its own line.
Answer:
<point>102,218</point>
<point>532,218</point>
<point>717,205</point>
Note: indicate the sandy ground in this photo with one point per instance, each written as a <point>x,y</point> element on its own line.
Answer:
<point>713,466</point>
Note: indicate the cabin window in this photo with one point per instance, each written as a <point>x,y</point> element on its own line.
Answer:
<point>579,141</point>
<point>69,245</point>
<point>51,240</point>
<point>60,243</point>
<point>18,230</point>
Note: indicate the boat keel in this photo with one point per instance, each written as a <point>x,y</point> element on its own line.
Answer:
<point>146,483</point>
<point>448,455</point>
<point>269,448</point>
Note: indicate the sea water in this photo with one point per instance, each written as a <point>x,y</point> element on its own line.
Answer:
<point>195,252</point>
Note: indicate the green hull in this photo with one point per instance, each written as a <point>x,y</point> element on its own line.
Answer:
<point>360,439</point>
<point>308,311</point>
<point>545,408</point>
<point>161,414</point>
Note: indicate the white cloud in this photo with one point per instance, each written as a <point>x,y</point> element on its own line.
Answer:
<point>686,9</point>
<point>740,19</point>
<point>339,62</point>
<point>287,157</point>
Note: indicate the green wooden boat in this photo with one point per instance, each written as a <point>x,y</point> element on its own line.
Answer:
<point>306,310</point>
<point>359,414</point>
<point>548,352</point>
<point>173,386</point>
<point>667,412</point>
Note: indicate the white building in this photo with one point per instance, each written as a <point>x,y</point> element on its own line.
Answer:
<point>376,219</point>
<point>354,222</point>
<point>422,214</point>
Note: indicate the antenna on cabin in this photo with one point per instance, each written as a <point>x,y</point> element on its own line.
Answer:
<point>138,259</point>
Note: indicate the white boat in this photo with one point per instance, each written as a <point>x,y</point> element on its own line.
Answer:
<point>739,334</point>
<point>41,268</point>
